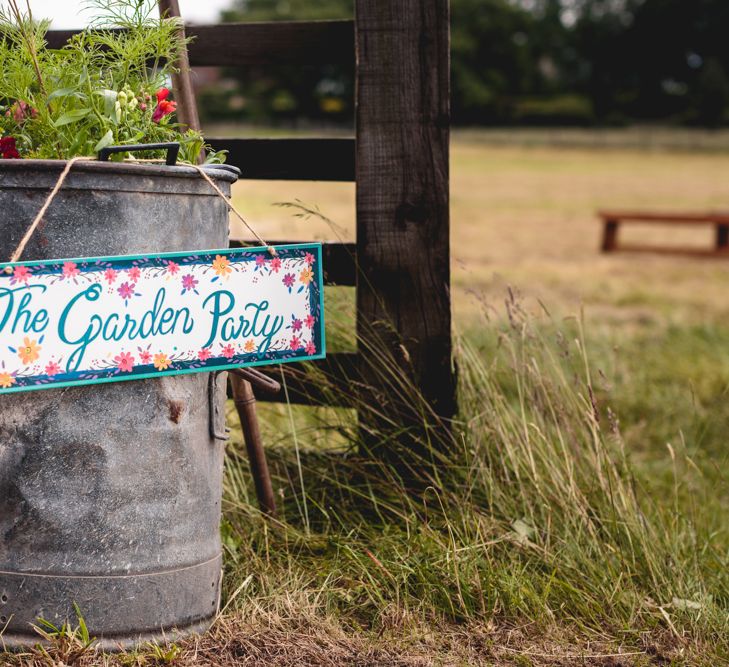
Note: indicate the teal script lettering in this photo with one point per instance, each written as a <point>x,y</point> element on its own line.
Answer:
<point>232,328</point>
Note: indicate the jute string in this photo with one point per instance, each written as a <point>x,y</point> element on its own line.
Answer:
<point>17,253</point>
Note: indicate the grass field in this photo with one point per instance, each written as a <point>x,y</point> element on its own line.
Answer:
<point>581,516</point>
<point>523,216</point>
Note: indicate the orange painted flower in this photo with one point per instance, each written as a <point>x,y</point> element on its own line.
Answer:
<point>250,345</point>
<point>161,361</point>
<point>6,380</point>
<point>29,351</point>
<point>306,276</point>
<point>221,266</point>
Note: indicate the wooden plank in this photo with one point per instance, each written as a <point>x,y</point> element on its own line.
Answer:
<point>402,169</point>
<point>262,43</point>
<point>610,235</point>
<point>330,381</point>
<point>339,260</point>
<point>667,250</point>
<point>670,217</point>
<point>722,237</point>
<point>291,159</point>
<point>273,43</point>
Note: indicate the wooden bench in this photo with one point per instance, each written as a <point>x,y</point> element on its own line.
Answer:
<point>611,220</point>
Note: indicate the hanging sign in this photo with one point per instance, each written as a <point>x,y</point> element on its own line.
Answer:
<point>85,321</point>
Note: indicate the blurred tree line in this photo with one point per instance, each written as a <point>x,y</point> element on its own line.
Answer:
<point>536,62</point>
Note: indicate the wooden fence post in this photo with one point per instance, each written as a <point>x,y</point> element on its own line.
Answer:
<point>402,174</point>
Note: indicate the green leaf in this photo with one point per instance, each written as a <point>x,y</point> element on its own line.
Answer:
<point>61,92</point>
<point>109,100</point>
<point>71,117</point>
<point>105,141</point>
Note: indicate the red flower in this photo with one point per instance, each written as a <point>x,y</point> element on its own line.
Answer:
<point>70,270</point>
<point>309,258</point>
<point>295,342</point>
<point>145,356</point>
<point>172,267</point>
<point>110,275</point>
<point>310,348</point>
<point>124,362</point>
<point>134,274</point>
<point>52,368</point>
<point>8,150</point>
<point>164,106</point>
<point>310,321</point>
<point>275,264</point>
<point>228,351</point>
<point>21,274</point>
<point>204,354</point>
<point>296,324</point>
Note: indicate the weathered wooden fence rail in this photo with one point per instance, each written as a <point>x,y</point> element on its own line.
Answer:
<point>398,159</point>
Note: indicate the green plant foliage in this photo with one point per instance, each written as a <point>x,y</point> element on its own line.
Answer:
<point>107,86</point>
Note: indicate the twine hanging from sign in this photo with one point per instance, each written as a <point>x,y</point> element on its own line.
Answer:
<point>17,253</point>
<point>34,225</point>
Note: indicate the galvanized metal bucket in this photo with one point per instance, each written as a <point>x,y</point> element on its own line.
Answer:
<point>110,494</point>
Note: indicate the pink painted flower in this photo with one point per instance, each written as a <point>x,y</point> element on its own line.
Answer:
<point>70,270</point>
<point>172,268</point>
<point>275,264</point>
<point>21,274</point>
<point>110,275</point>
<point>295,342</point>
<point>145,356</point>
<point>124,362</point>
<point>310,348</point>
<point>310,321</point>
<point>309,258</point>
<point>126,291</point>
<point>204,354</point>
<point>288,280</point>
<point>189,283</point>
<point>228,351</point>
<point>52,368</point>
<point>134,274</point>
<point>296,324</point>
<point>260,261</point>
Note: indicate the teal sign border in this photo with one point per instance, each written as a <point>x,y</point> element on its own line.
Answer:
<point>213,364</point>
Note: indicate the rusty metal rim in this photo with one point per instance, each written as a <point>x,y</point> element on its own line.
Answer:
<point>221,172</point>
<point>151,573</point>
<point>116,643</point>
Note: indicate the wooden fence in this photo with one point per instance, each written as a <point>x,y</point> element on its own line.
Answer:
<point>398,159</point>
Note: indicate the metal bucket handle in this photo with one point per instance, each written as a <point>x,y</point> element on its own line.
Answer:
<point>172,148</point>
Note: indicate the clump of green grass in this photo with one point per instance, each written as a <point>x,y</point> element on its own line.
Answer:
<point>530,511</point>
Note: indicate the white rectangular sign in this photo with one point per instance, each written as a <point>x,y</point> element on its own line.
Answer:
<point>84,321</point>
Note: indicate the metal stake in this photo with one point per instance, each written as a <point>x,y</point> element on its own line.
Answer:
<point>245,400</point>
